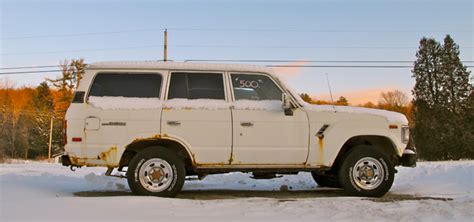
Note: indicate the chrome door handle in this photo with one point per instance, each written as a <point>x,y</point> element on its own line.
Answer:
<point>246,124</point>
<point>173,123</point>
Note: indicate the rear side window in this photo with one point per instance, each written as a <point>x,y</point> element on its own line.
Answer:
<point>126,85</point>
<point>196,86</point>
<point>254,87</point>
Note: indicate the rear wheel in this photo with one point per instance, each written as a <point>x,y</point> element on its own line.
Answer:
<point>326,180</point>
<point>156,171</point>
<point>366,171</point>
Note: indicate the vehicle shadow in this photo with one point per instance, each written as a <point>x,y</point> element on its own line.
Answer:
<point>281,196</point>
<point>228,194</point>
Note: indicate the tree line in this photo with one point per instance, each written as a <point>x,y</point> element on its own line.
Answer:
<point>28,116</point>
<point>441,113</point>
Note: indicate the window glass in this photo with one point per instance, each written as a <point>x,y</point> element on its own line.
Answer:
<point>254,87</point>
<point>196,86</point>
<point>126,85</point>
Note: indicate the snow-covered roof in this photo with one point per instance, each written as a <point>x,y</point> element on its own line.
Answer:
<point>179,66</point>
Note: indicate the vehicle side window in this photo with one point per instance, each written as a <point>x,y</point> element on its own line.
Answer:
<point>196,86</point>
<point>254,87</point>
<point>126,85</point>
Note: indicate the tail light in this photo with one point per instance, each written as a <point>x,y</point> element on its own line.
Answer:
<point>65,133</point>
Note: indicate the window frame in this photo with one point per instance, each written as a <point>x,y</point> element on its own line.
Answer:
<point>252,73</point>
<point>224,81</point>
<point>89,88</point>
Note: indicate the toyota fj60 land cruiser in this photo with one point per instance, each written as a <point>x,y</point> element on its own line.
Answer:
<point>163,121</point>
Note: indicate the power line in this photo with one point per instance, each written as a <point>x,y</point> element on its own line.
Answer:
<point>30,67</point>
<point>341,66</point>
<point>253,61</point>
<point>29,72</point>
<point>230,30</point>
<point>276,66</point>
<point>217,46</point>
<point>302,60</point>
<point>80,34</point>
<point>81,50</point>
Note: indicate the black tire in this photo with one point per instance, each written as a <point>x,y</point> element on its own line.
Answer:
<point>170,167</point>
<point>366,171</point>
<point>326,180</point>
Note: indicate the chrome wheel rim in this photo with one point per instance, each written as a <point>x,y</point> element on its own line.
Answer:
<point>155,175</point>
<point>368,173</point>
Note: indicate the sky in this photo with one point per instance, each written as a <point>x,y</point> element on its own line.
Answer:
<point>45,32</point>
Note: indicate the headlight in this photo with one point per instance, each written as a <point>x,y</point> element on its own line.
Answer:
<point>405,134</point>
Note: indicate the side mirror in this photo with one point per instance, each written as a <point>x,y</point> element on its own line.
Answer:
<point>286,104</point>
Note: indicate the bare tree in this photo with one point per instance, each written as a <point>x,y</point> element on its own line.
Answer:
<point>395,98</point>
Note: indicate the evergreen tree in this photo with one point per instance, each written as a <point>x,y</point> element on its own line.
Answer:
<point>7,136</point>
<point>440,102</point>
<point>455,87</point>
<point>43,104</point>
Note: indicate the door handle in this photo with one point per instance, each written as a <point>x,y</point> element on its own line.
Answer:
<point>173,123</point>
<point>246,124</point>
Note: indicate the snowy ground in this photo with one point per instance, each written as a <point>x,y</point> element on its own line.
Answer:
<point>434,191</point>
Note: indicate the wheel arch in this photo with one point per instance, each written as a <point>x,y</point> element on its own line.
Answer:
<point>380,142</point>
<point>167,143</point>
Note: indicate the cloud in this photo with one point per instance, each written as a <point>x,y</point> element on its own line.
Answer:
<point>356,97</point>
<point>290,72</point>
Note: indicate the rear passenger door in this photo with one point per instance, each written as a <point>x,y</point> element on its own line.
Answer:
<point>113,114</point>
<point>197,114</point>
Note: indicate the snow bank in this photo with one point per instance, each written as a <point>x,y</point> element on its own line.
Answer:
<point>446,178</point>
<point>39,187</point>
<point>389,115</point>
<point>116,103</point>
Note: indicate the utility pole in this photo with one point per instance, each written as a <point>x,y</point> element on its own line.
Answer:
<point>50,139</point>
<point>165,46</point>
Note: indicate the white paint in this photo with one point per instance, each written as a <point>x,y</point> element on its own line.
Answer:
<point>206,125</point>
<point>389,115</point>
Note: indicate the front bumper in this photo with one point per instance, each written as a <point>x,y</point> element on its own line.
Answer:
<point>409,157</point>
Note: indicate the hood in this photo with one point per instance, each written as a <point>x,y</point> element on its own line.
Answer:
<point>389,115</point>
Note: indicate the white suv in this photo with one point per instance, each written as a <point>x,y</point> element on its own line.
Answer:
<point>163,121</point>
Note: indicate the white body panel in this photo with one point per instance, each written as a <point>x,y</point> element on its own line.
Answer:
<point>269,137</point>
<point>215,137</point>
<point>209,132</point>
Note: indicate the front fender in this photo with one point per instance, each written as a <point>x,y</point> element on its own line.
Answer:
<point>324,151</point>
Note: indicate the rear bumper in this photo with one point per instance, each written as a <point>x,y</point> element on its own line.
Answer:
<point>409,157</point>
<point>65,160</point>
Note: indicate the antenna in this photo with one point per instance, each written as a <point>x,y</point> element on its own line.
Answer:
<point>330,92</point>
<point>165,46</point>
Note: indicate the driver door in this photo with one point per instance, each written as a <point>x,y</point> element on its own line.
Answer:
<point>262,133</point>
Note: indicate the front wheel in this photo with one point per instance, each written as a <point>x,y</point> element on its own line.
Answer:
<point>366,171</point>
<point>156,171</point>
